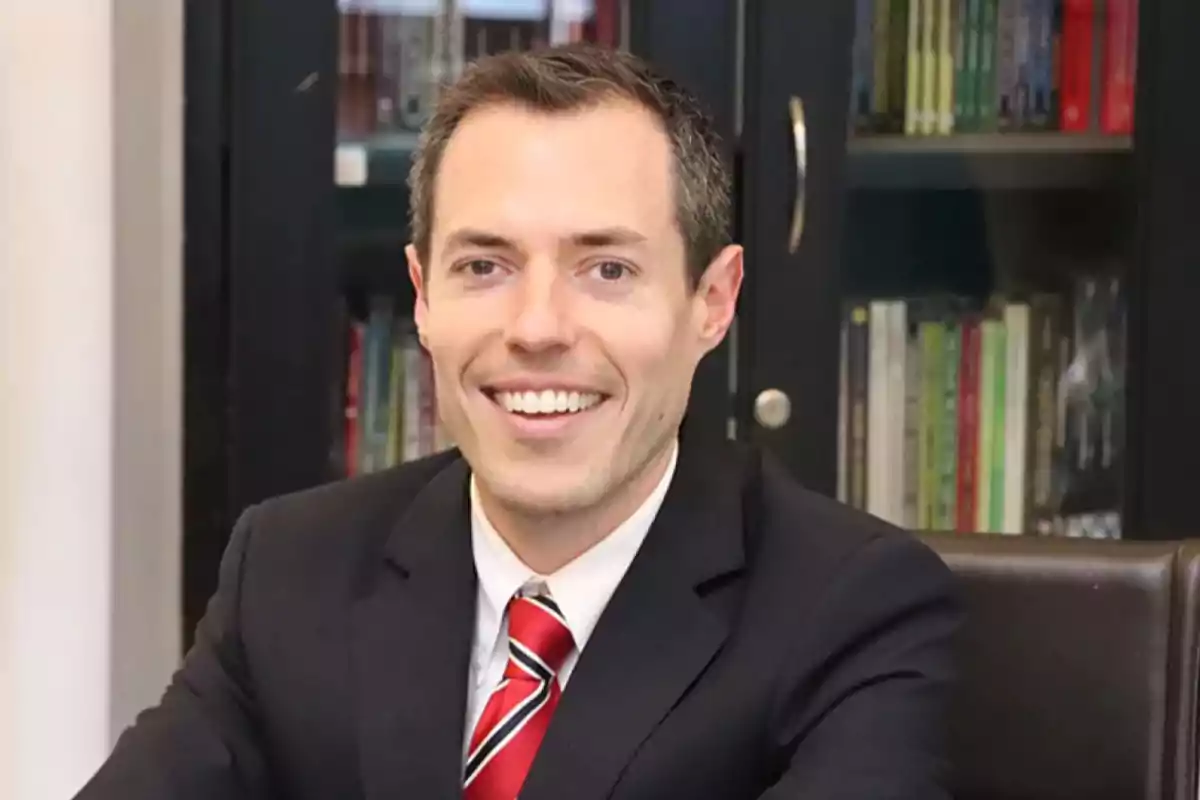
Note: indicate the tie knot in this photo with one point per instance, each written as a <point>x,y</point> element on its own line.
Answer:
<point>538,636</point>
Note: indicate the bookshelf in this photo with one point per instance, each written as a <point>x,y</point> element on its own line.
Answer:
<point>953,198</point>
<point>297,221</point>
<point>987,393</point>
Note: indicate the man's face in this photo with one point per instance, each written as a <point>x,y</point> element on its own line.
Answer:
<point>556,306</point>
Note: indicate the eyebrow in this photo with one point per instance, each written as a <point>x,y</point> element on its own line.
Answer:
<point>473,237</point>
<point>612,236</point>
<point>608,237</point>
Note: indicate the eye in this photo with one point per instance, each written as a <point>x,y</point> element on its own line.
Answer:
<point>478,270</point>
<point>611,271</point>
<point>480,267</point>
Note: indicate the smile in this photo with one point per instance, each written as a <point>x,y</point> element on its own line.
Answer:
<point>546,401</point>
<point>545,412</point>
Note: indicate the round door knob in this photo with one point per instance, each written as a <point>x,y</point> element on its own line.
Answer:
<point>772,408</point>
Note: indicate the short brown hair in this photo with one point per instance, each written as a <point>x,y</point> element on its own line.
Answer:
<point>574,76</point>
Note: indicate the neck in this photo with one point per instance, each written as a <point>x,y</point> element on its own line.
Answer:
<point>548,541</point>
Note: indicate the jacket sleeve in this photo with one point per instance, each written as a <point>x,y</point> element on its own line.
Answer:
<point>863,713</point>
<point>199,742</point>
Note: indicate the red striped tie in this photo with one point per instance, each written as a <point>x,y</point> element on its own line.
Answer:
<point>517,715</point>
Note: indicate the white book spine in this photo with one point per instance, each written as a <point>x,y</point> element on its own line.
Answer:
<point>878,441</point>
<point>945,67</point>
<point>912,102</point>
<point>929,81</point>
<point>897,369</point>
<point>1016,391</point>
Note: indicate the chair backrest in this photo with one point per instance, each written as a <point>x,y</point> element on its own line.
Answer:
<point>1073,682</point>
<point>1185,672</point>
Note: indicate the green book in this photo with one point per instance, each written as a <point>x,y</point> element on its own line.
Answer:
<point>999,401</point>
<point>986,98</point>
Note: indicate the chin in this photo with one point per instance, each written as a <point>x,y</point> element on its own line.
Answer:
<point>544,489</point>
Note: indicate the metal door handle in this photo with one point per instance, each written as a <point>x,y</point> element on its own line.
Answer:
<point>800,142</point>
<point>772,408</point>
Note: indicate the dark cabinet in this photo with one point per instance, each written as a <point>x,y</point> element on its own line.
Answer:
<point>972,252</point>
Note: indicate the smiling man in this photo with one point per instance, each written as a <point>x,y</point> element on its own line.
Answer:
<point>578,601</point>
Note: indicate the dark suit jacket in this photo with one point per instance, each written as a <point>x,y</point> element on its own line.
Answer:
<point>766,642</point>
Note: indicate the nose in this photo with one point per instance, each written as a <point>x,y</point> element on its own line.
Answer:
<point>540,318</point>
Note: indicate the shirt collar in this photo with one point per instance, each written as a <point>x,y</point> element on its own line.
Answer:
<point>581,588</point>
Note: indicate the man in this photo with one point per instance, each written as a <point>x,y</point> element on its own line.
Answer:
<point>578,602</point>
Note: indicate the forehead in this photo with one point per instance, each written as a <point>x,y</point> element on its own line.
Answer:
<point>528,171</point>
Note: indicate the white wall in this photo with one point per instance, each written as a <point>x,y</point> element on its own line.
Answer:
<point>90,383</point>
<point>148,452</point>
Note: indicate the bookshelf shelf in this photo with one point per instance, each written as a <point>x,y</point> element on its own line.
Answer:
<point>990,161</point>
<point>992,143</point>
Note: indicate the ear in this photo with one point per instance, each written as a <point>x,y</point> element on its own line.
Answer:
<point>715,300</point>
<point>416,274</point>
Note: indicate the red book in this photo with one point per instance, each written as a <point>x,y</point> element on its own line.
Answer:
<point>968,425</point>
<point>608,23</point>
<point>1076,79</point>
<point>1116,109</point>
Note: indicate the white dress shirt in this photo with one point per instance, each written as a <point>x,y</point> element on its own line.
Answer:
<point>581,588</point>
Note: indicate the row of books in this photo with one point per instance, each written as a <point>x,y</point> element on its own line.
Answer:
<point>390,415</point>
<point>394,54</point>
<point>927,67</point>
<point>1002,417</point>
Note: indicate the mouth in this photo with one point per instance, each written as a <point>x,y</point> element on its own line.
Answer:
<point>545,410</point>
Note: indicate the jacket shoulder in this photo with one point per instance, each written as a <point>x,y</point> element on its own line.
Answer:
<point>344,518</point>
<point>805,532</point>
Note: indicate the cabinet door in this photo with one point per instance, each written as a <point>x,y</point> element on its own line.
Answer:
<point>792,153</point>
<point>304,117</point>
<point>965,339</point>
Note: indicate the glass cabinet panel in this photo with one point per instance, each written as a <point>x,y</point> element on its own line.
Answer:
<point>989,232</point>
<point>394,54</point>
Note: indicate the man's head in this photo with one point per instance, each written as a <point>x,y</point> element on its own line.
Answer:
<point>571,260</point>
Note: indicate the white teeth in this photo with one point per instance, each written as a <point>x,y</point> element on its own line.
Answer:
<point>547,401</point>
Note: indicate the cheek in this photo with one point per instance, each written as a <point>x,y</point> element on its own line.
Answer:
<point>452,335</point>
<point>447,362</point>
<point>654,358</point>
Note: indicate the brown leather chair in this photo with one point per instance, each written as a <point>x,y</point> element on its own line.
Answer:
<point>1079,668</point>
<point>1185,671</point>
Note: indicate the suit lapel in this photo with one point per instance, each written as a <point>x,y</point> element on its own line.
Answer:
<point>653,640</point>
<point>412,642</point>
